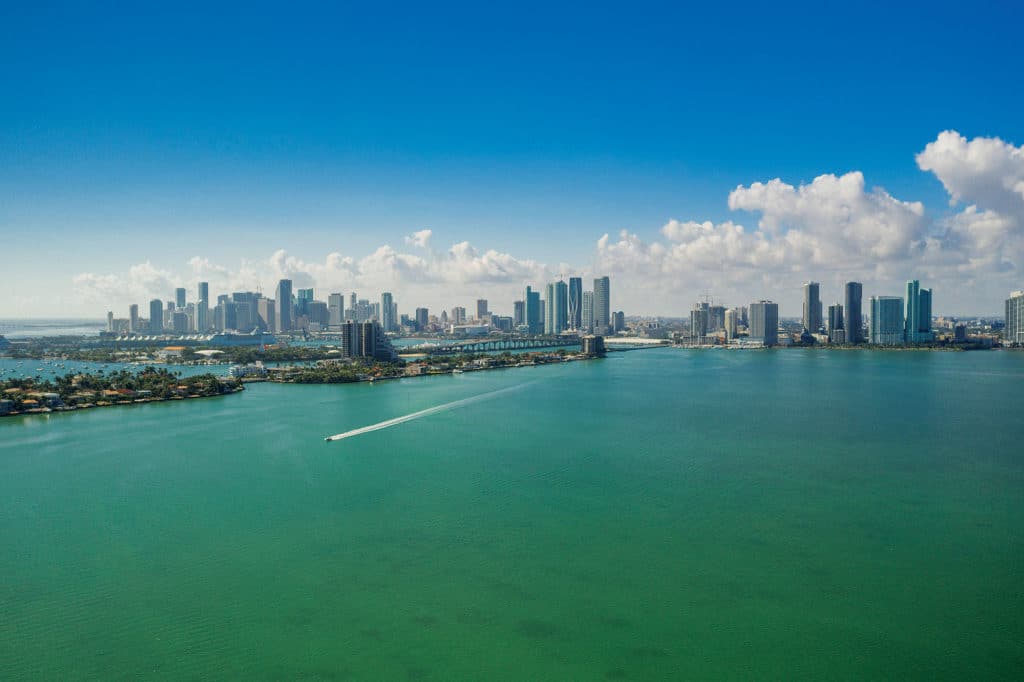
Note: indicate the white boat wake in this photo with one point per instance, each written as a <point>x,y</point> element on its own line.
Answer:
<point>423,413</point>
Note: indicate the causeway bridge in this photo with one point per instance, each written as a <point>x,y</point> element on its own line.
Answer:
<point>490,345</point>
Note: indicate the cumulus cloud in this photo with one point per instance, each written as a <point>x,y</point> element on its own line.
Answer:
<point>420,239</point>
<point>833,229</point>
<point>985,171</point>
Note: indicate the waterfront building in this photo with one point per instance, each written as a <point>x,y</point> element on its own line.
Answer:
<point>853,322</point>
<point>716,318</point>
<point>602,305</point>
<point>458,315</point>
<point>587,312</point>
<point>110,321</point>
<point>422,319</point>
<point>730,324</point>
<point>885,321</point>
<point>335,309</point>
<point>764,322</point>
<point>698,322</point>
<point>534,313</point>
<point>812,307</point>
<point>575,303</point>
<point>204,291</point>
<point>133,319</point>
<point>917,319</point>
<point>556,311</point>
<point>960,332</point>
<point>387,310</point>
<point>836,333</point>
<point>618,321</point>
<point>285,319</point>
<point>156,317</point>
<point>1013,332</point>
<point>481,308</point>
<point>518,313</point>
<point>179,298</point>
<point>592,346</point>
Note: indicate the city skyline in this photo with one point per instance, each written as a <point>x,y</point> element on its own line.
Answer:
<point>418,155</point>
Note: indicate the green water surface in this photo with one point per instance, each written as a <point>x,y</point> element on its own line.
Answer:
<point>661,514</point>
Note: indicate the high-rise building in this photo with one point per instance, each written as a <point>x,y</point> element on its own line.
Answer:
<point>556,315</point>
<point>917,319</point>
<point>730,324</point>
<point>481,308</point>
<point>618,321</point>
<point>110,321</point>
<point>812,307</point>
<point>422,318</point>
<point>335,309</point>
<point>266,314</point>
<point>602,305</point>
<point>386,311</point>
<point>1013,332</point>
<point>716,318</point>
<point>764,322</point>
<point>853,322</point>
<point>156,317</point>
<point>179,298</point>
<point>518,313</point>
<point>458,315</point>
<point>133,319</point>
<point>179,322</point>
<point>587,312</point>
<point>534,314</point>
<point>285,320</point>
<point>204,291</point>
<point>885,321</point>
<point>698,322</point>
<point>575,303</point>
<point>835,323</point>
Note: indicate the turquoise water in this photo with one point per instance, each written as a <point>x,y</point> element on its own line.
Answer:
<point>655,515</point>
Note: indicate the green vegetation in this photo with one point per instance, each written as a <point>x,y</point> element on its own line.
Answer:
<point>81,390</point>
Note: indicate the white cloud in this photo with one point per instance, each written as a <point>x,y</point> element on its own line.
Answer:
<point>420,239</point>
<point>832,229</point>
<point>985,171</point>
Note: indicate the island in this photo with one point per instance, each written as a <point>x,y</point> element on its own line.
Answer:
<point>76,391</point>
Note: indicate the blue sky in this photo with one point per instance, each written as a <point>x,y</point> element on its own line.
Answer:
<point>158,135</point>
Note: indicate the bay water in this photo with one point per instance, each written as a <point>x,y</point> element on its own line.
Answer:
<point>659,514</point>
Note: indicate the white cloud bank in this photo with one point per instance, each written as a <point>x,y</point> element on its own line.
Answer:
<point>833,229</point>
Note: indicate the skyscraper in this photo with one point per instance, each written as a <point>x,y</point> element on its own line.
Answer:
<point>587,312</point>
<point>533,311</point>
<point>133,318</point>
<point>203,308</point>
<point>266,314</point>
<point>387,309</point>
<point>285,322</point>
<point>179,298</point>
<point>156,317</point>
<point>853,322</point>
<point>557,306</point>
<point>602,305</point>
<point>422,318</point>
<point>698,322</point>
<point>730,324</point>
<point>917,319</point>
<point>335,309</point>
<point>835,323</point>
<point>764,322</point>
<point>458,315</point>
<point>575,303</point>
<point>110,321</point>
<point>518,313</point>
<point>812,307</point>
<point>481,308</point>
<point>885,321</point>
<point>1013,332</point>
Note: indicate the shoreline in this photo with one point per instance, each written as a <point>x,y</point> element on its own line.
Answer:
<point>114,403</point>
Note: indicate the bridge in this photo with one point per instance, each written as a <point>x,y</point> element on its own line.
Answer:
<point>488,345</point>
